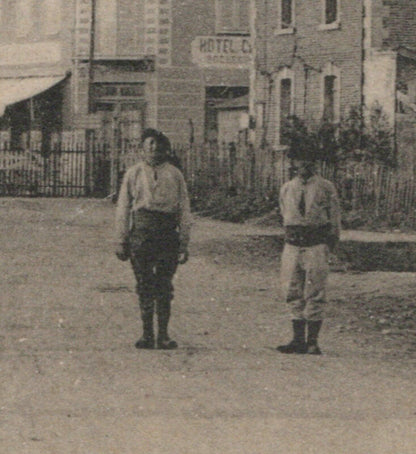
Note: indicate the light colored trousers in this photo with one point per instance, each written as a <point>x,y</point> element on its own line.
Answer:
<point>303,277</point>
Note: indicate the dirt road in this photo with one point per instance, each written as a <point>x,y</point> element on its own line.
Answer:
<point>72,381</point>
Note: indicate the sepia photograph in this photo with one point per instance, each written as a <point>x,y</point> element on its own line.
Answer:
<point>208,226</point>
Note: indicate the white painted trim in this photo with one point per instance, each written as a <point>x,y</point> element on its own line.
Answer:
<point>285,31</point>
<point>334,26</point>
<point>332,70</point>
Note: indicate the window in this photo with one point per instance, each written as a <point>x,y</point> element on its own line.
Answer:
<point>330,14</point>
<point>106,27</point>
<point>331,11</point>
<point>284,100</point>
<point>23,17</point>
<point>232,16</point>
<point>329,99</point>
<point>285,16</point>
<point>52,16</point>
<point>331,94</point>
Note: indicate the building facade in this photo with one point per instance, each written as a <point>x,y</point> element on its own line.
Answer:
<point>69,66</point>
<point>318,58</point>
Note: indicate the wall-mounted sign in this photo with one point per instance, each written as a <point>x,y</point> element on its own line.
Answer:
<point>223,51</point>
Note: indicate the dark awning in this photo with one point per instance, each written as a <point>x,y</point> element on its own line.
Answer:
<point>18,89</point>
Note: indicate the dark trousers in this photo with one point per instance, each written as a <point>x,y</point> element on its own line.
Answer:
<point>154,258</point>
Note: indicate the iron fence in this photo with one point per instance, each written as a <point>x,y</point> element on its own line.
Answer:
<point>73,170</point>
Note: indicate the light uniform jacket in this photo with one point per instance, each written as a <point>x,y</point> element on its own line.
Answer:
<point>321,204</point>
<point>162,189</point>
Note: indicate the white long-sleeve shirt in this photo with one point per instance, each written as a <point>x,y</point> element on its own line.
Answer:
<point>321,203</point>
<point>161,188</point>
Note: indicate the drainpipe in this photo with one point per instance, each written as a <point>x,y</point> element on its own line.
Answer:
<point>91,57</point>
<point>252,90</point>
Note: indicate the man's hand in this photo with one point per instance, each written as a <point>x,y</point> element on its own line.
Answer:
<point>183,257</point>
<point>122,252</point>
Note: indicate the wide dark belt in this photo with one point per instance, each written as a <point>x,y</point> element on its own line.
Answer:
<point>307,235</point>
<point>154,221</point>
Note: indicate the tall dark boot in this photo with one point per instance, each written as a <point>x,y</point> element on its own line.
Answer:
<point>313,332</point>
<point>163,340</point>
<point>148,338</point>
<point>297,344</point>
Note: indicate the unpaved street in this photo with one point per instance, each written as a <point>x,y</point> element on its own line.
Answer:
<point>72,381</point>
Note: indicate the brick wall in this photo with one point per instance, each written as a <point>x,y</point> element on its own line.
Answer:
<point>181,85</point>
<point>307,51</point>
<point>399,23</point>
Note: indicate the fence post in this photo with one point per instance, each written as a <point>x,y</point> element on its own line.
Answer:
<point>89,161</point>
<point>114,155</point>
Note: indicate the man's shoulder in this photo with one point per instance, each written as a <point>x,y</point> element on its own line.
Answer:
<point>324,181</point>
<point>292,182</point>
<point>173,170</point>
<point>135,168</point>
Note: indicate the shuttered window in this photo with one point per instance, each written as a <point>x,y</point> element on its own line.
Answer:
<point>51,16</point>
<point>24,17</point>
<point>106,27</point>
<point>232,16</point>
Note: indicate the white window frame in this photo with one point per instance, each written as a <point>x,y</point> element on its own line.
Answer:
<point>221,31</point>
<point>333,25</point>
<point>288,30</point>
<point>332,70</point>
<point>285,73</point>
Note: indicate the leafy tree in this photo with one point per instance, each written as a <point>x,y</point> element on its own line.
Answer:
<point>353,139</point>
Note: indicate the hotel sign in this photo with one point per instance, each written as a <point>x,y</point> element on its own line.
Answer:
<point>222,51</point>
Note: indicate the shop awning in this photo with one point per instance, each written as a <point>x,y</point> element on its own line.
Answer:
<point>18,89</point>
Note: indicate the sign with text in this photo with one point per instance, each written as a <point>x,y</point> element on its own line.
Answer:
<point>222,51</point>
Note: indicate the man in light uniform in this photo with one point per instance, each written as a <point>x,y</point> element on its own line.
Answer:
<point>153,224</point>
<point>311,218</point>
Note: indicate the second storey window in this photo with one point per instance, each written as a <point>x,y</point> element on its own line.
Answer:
<point>232,16</point>
<point>285,14</point>
<point>51,16</point>
<point>106,27</point>
<point>331,11</point>
<point>23,17</point>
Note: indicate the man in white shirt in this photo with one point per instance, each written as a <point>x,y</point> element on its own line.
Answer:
<point>153,224</point>
<point>311,218</point>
